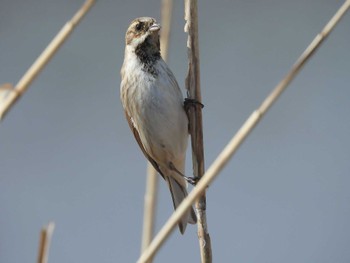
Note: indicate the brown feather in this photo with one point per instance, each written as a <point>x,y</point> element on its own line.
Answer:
<point>138,139</point>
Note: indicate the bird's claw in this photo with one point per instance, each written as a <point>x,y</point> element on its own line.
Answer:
<point>192,180</point>
<point>192,102</point>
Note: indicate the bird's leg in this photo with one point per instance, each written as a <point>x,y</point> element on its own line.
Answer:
<point>191,180</point>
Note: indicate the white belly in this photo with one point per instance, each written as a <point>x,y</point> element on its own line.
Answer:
<point>159,117</point>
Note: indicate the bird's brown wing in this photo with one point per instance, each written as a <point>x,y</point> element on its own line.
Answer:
<point>138,139</point>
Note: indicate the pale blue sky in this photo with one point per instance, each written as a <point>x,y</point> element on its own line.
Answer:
<point>66,152</point>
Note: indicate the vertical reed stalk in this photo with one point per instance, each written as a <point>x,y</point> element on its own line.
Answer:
<point>196,126</point>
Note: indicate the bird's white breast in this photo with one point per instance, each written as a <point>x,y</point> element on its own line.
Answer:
<point>155,103</point>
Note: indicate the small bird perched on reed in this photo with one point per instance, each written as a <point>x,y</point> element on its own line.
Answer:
<point>153,105</point>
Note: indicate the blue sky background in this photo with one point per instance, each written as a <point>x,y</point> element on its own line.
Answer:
<point>66,152</point>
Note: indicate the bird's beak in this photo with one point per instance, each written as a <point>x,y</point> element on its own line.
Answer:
<point>155,27</point>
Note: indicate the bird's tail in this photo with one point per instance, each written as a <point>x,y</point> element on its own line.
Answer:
<point>178,193</point>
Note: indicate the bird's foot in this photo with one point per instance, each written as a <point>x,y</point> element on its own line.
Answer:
<point>192,180</point>
<point>192,103</point>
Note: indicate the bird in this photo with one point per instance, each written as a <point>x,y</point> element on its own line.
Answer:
<point>154,108</point>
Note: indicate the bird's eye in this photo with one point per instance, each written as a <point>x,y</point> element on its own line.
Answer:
<point>139,26</point>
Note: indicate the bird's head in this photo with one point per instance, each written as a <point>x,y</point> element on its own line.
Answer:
<point>143,30</point>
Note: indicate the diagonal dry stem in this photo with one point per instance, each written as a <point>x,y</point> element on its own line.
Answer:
<point>240,136</point>
<point>196,126</point>
<point>152,176</point>
<point>12,95</point>
<point>45,241</point>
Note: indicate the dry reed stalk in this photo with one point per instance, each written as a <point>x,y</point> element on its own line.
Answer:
<point>152,175</point>
<point>240,136</point>
<point>166,16</point>
<point>13,94</point>
<point>150,204</point>
<point>196,126</point>
<point>45,240</point>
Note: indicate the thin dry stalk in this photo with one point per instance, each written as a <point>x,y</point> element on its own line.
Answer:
<point>196,126</point>
<point>45,240</point>
<point>240,136</point>
<point>13,94</point>
<point>167,13</point>
<point>4,90</point>
<point>152,176</point>
<point>150,204</point>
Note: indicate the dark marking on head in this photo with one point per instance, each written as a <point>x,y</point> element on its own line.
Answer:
<point>139,26</point>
